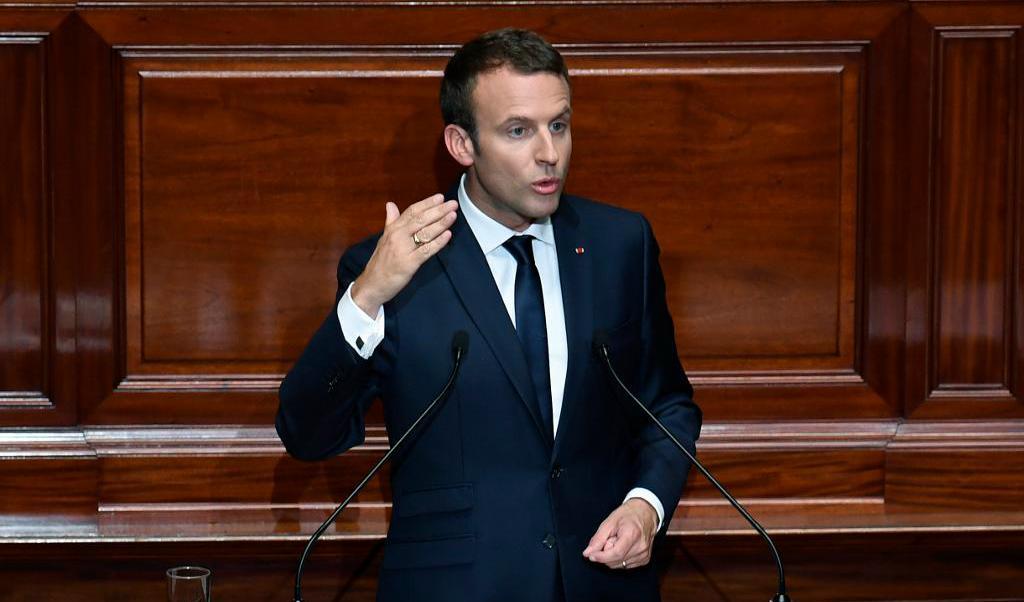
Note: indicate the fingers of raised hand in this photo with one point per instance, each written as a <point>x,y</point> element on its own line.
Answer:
<point>434,229</point>
<point>397,255</point>
<point>422,214</point>
<point>420,223</point>
<point>428,249</point>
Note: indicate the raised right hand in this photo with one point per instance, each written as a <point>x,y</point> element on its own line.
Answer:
<point>397,255</point>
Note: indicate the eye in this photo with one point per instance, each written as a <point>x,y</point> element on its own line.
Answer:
<point>559,126</point>
<point>517,131</point>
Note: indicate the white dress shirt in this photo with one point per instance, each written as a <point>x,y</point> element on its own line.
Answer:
<point>364,333</point>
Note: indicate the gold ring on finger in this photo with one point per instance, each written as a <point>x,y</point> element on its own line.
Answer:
<point>416,239</point>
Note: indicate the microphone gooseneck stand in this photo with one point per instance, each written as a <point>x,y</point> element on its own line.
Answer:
<point>460,343</point>
<point>601,348</point>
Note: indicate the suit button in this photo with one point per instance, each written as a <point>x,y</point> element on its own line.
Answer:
<point>557,472</point>
<point>548,541</point>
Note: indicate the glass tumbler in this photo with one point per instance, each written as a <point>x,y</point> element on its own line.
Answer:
<point>188,584</point>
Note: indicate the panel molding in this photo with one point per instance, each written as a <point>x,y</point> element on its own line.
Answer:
<point>199,382</point>
<point>966,202</point>
<point>868,32</point>
<point>842,59</point>
<point>850,475</point>
<point>21,400</point>
<point>968,465</point>
<point>28,216</point>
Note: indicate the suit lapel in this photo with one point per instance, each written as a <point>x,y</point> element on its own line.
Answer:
<point>471,277</point>
<point>574,271</point>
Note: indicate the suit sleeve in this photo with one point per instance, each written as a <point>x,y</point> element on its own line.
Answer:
<point>661,467</point>
<point>325,395</point>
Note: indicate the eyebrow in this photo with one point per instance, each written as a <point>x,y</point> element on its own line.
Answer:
<point>567,112</point>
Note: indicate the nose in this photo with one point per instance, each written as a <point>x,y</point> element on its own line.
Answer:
<point>547,152</point>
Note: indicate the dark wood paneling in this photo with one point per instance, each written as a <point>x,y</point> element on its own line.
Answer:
<point>24,217</point>
<point>828,185</point>
<point>37,309</point>
<point>754,335</point>
<point>974,234</point>
<point>889,567</point>
<point>966,310</point>
<point>744,316</point>
<point>730,154</point>
<point>289,163</point>
<point>449,25</point>
<point>49,482</point>
<point>248,465</point>
<point>977,566</point>
<point>973,465</point>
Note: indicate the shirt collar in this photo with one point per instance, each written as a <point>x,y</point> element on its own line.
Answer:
<point>492,234</point>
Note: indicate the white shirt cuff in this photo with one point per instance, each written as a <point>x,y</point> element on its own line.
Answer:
<point>362,332</point>
<point>648,496</point>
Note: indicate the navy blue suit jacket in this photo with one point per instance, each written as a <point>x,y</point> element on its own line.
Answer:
<point>485,506</point>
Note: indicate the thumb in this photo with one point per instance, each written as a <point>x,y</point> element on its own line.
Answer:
<point>392,213</point>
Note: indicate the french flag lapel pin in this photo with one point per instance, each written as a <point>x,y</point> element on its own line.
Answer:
<point>580,250</point>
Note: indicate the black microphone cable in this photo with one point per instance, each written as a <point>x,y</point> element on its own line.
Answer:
<point>460,343</point>
<point>601,348</point>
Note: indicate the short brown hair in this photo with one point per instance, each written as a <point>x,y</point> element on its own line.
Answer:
<point>522,50</point>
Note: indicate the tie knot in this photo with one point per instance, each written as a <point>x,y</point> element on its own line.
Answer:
<point>521,247</point>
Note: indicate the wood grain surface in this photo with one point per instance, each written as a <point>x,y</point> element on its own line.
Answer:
<point>835,188</point>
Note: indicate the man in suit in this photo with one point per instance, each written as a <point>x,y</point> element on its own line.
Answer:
<point>535,481</point>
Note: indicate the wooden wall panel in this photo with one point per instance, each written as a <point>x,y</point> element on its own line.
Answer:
<point>887,567</point>
<point>975,465</point>
<point>834,186</point>
<point>49,481</point>
<point>975,228</point>
<point>248,252</point>
<point>289,162</point>
<point>232,243</point>
<point>966,356</point>
<point>730,154</point>
<point>754,337</point>
<point>447,25</point>
<point>37,313</point>
<point>24,217</point>
<point>187,466</point>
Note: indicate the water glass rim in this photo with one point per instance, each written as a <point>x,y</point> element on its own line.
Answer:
<point>188,572</point>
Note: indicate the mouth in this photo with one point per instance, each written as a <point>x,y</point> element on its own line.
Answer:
<point>546,186</point>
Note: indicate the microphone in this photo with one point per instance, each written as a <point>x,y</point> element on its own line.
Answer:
<point>601,349</point>
<point>460,344</point>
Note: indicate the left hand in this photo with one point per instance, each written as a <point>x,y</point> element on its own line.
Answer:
<point>624,539</point>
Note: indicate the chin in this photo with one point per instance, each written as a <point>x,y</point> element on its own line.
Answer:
<point>544,206</point>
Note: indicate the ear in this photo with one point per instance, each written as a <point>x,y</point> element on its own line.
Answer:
<point>460,145</point>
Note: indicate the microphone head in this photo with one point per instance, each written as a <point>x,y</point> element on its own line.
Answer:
<point>460,343</point>
<point>600,340</point>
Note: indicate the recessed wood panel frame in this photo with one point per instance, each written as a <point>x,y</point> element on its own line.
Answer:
<point>163,377</point>
<point>24,225</point>
<point>873,391</point>
<point>983,189</point>
<point>684,184</point>
<point>39,284</point>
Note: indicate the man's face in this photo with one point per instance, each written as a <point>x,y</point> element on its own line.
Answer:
<point>523,145</point>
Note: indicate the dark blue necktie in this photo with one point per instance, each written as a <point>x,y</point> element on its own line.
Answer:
<point>530,324</point>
